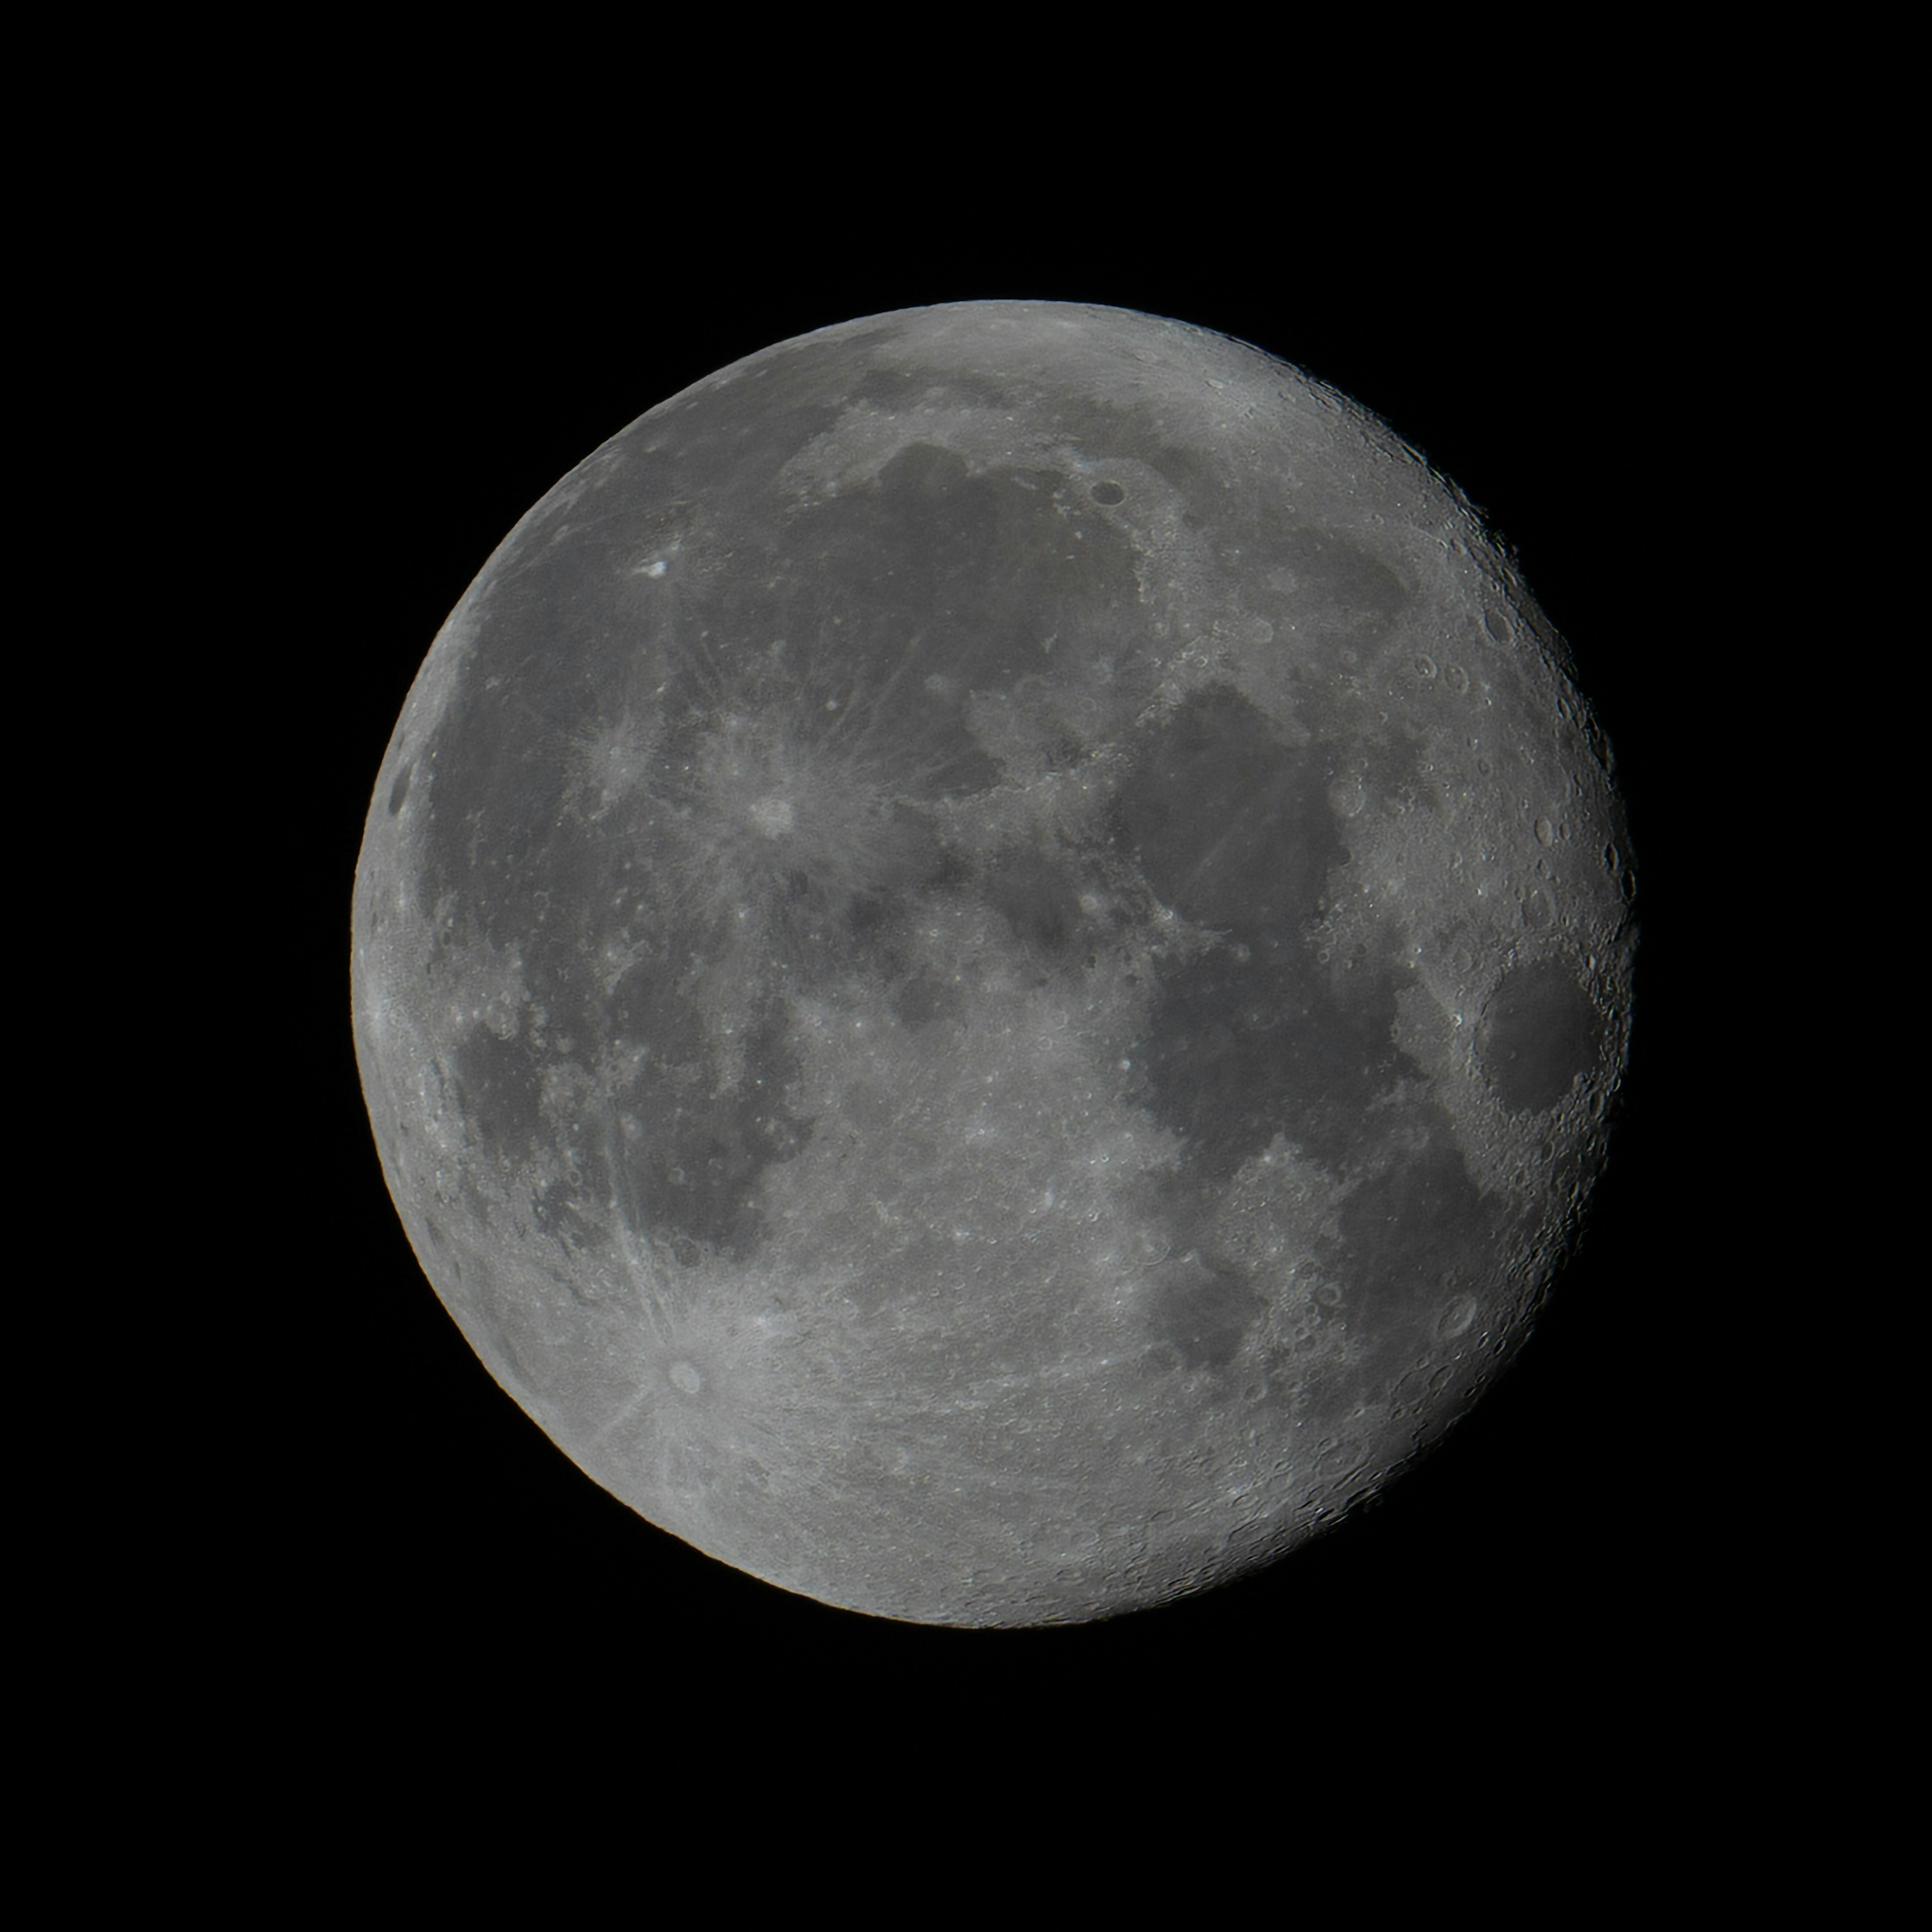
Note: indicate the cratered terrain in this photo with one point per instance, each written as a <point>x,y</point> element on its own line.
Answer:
<point>989,961</point>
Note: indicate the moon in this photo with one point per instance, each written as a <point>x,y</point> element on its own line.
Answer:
<point>990,960</point>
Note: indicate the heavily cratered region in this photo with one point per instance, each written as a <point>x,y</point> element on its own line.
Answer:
<point>988,960</point>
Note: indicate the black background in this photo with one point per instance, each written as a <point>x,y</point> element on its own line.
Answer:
<point>420,1546</point>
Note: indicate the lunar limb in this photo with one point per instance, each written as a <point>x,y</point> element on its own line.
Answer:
<point>989,959</point>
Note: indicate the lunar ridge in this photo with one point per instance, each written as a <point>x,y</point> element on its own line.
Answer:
<point>989,961</point>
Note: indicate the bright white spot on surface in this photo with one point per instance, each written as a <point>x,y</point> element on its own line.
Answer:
<point>654,569</point>
<point>686,1378</point>
<point>773,816</point>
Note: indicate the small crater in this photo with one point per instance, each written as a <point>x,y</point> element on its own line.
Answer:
<point>1108,494</point>
<point>685,1377</point>
<point>399,790</point>
<point>1457,1318</point>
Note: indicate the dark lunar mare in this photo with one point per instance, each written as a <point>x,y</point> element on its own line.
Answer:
<point>978,557</point>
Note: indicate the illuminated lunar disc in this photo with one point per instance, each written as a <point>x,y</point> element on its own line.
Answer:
<point>988,959</point>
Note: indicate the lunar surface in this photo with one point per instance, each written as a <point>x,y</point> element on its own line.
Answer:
<point>988,961</point>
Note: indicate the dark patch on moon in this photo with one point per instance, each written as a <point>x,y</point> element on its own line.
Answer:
<point>924,998</point>
<point>1198,1314</point>
<point>978,555</point>
<point>1038,900</point>
<point>1242,1048</point>
<point>500,1091</point>
<point>1351,594</point>
<point>1233,829</point>
<point>1408,1228</point>
<point>693,1145</point>
<point>399,790</point>
<point>494,812</point>
<point>1540,1033</point>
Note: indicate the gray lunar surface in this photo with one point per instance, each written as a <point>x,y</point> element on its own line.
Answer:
<point>988,959</point>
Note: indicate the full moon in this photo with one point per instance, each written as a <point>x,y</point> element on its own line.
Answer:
<point>989,961</point>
